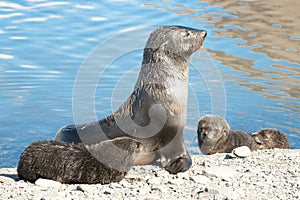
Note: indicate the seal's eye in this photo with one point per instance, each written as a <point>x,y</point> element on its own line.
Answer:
<point>204,134</point>
<point>200,130</point>
<point>203,131</point>
<point>138,145</point>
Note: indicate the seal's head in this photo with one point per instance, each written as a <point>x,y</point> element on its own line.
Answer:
<point>173,43</point>
<point>270,139</point>
<point>211,129</point>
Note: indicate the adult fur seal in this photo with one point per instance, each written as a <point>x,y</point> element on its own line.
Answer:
<point>270,139</point>
<point>70,163</point>
<point>159,100</point>
<point>215,136</point>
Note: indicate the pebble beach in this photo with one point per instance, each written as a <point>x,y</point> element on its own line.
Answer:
<point>264,174</point>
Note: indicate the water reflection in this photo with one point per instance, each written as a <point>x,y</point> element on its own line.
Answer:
<point>274,25</point>
<point>281,77</point>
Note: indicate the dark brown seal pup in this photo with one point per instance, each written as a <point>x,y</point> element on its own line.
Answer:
<point>155,113</point>
<point>215,136</point>
<point>270,139</point>
<point>69,163</point>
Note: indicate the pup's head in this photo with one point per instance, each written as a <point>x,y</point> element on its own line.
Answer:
<point>270,138</point>
<point>211,129</point>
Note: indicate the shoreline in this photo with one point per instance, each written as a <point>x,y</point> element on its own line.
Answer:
<point>265,174</point>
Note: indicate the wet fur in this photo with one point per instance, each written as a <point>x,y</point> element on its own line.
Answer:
<point>215,136</point>
<point>270,139</point>
<point>69,163</point>
<point>233,140</point>
<point>163,80</point>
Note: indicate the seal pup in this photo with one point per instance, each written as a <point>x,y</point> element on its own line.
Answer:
<point>215,136</point>
<point>155,112</point>
<point>70,163</point>
<point>270,139</point>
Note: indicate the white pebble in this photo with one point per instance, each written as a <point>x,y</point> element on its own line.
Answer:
<point>183,175</point>
<point>242,152</point>
<point>153,181</point>
<point>47,183</point>
<point>124,183</point>
<point>4,179</point>
<point>55,196</point>
<point>176,181</point>
<point>76,193</point>
<point>163,173</point>
<point>87,188</point>
<point>144,190</point>
<point>222,172</point>
<point>201,179</point>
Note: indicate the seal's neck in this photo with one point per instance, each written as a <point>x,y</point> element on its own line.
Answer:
<point>160,67</point>
<point>157,56</point>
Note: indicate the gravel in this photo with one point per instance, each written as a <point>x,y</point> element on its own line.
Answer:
<point>265,174</point>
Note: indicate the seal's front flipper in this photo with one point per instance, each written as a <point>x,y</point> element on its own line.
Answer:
<point>180,164</point>
<point>174,157</point>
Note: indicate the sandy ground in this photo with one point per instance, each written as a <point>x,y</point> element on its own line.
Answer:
<point>266,174</point>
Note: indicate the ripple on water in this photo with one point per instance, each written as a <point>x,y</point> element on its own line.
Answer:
<point>276,47</point>
<point>21,7</point>
<point>87,7</point>
<point>6,56</point>
<point>290,50</point>
<point>11,27</point>
<point>53,72</point>
<point>4,16</point>
<point>251,35</point>
<point>295,38</point>
<point>235,27</point>
<point>29,66</point>
<point>37,19</point>
<point>276,26</point>
<point>36,1</point>
<point>243,3</point>
<point>98,19</point>
<point>18,38</point>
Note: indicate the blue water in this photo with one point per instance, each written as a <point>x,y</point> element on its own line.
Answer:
<point>249,76</point>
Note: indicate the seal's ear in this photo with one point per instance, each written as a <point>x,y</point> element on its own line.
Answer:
<point>227,125</point>
<point>137,146</point>
<point>225,131</point>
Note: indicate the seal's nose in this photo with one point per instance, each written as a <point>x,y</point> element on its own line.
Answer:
<point>203,33</point>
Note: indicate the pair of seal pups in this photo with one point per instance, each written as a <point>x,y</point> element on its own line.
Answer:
<point>215,136</point>
<point>70,163</point>
<point>155,112</point>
